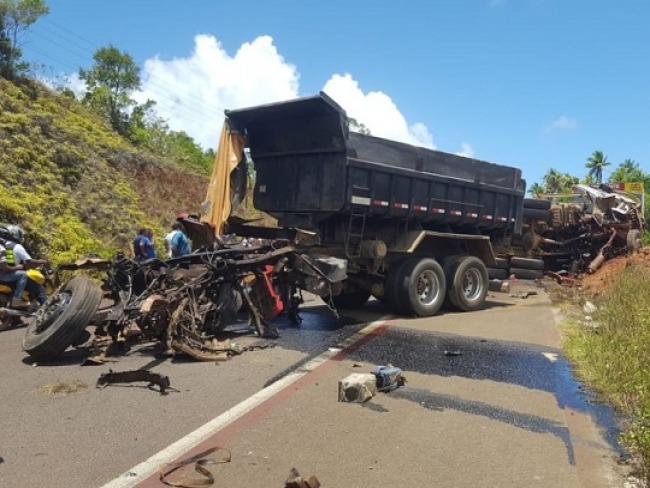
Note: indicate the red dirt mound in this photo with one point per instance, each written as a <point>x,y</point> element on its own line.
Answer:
<point>595,283</point>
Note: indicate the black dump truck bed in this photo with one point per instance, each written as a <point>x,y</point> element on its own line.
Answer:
<point>311,168</point>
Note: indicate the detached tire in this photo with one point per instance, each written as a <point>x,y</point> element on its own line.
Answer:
<point>61,320</point>
<point>467,283</point>
<point>527,274</point>
<point>537,214</point>
<point>538,203</point>
<point>420,287</point>
<point>502,263</point>
<point>527,263</point>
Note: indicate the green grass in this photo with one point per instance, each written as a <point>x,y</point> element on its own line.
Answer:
<point>613,354</point>
<point>75,185</point>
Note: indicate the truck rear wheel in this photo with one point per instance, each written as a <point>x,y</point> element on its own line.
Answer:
<point>420,287</point>
<point>467,279</point>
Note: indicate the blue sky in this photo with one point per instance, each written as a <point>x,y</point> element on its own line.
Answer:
<point>528,83</point>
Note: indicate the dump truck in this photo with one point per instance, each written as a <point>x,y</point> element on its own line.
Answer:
<point>417,227</point>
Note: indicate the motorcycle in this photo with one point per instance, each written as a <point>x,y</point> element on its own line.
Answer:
<point>13,317</point>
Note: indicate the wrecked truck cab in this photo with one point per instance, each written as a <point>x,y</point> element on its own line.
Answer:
<point>583,230</point>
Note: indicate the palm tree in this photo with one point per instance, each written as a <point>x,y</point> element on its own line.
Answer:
<point>628,170</point>
<point>596,163</point>
<point>536,190</point>
<point>553,181</point>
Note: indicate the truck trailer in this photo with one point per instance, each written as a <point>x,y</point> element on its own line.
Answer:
<point>417,227</point>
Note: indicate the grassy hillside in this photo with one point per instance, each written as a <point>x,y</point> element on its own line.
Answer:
<point>74,184</point>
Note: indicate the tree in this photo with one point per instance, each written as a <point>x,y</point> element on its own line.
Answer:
<point>536,190</point>
<point>357,126</point>
<point>553,181</point>
<point>628,171</point>
<point>16,16</point>
<point>596,163</point>
<point>110,83</point>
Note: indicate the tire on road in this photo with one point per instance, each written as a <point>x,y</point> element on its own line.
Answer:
<point>527,263</point>
<point>467,282</point>
<point>527,274</point>
<point>419,287</point>
<point>61,320</point>
<point>536,214</point>
<point>537,203</point>
<point>497,273</point>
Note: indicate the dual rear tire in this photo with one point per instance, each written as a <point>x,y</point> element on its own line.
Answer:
<point>420,286</point>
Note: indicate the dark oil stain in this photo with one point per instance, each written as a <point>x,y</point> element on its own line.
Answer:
<point>531,423</point>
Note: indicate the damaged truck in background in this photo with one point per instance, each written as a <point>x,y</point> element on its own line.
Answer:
<point>358,216</point>
<point>579,234</point>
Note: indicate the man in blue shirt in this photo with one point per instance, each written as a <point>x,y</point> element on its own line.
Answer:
<point>143,245</point>
<point>180,245</point>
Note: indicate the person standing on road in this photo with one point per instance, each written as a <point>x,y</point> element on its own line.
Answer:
<point>179,243</point>
<point>143,245</point>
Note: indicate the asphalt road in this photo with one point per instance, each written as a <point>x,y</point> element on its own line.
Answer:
<point>489,402</point>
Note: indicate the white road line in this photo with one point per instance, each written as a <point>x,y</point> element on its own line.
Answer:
<point>142,471</point>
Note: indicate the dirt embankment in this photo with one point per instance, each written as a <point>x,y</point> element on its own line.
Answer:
<point>595,283</point>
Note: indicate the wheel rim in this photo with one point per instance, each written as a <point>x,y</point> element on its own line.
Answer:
<point>471,284</point>
<point>427,287</point>
<point>51,310</point>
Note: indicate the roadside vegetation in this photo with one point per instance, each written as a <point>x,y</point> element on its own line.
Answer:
<point>611,353</point>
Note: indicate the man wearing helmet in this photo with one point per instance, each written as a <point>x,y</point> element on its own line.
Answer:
<point>14,261</point>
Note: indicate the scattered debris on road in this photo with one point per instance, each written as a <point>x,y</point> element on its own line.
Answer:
<point>357,387</point>
<point>150,377</point>
<point>388,378</point>
<point>296,481</point>
<point>64,387</point>
<point>200,460</point>
<point>455,352</point>
<point>499,286</point>
<point>524,294</point>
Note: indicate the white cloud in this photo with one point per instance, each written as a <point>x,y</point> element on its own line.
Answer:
<point>66,81</point>
<point>466,150</point>
<point>191,93</point>
<point>562,123</point>
<point>376,111</point>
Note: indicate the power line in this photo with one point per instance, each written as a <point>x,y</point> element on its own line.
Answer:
<point>151,78</point>
<point>161,91</point>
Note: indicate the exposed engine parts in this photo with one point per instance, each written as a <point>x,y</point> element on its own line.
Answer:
<point>184,302</point>
<point>579,235</point>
